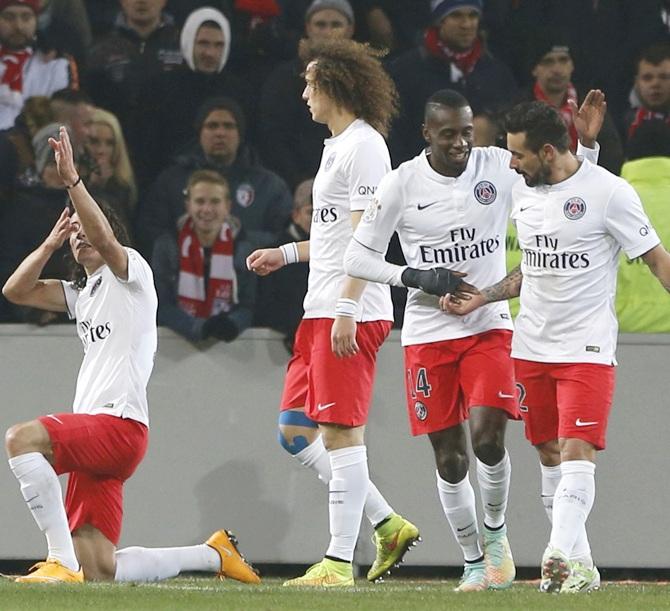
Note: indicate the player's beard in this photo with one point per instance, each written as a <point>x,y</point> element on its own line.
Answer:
<point>541,177</point>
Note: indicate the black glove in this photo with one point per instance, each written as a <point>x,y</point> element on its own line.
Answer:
<point>220,327</point>
<point>435,281</point>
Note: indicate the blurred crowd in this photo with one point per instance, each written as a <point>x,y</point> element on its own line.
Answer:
<point>187,118</point>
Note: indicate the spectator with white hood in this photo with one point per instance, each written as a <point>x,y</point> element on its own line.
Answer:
<point>170,102</point>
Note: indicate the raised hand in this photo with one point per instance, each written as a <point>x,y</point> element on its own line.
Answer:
<point>62,149</point>
<point>588,119</point>
<point>265,261</point>
<point>60,232</point>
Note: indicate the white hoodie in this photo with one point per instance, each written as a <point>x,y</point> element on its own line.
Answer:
<point>191,27</point>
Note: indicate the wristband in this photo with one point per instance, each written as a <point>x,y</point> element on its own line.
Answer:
<point>346,307</point>
<point>290,252</point>
<point>74,185</point>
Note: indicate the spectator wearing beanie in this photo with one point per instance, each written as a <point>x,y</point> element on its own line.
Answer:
<point>452,56</point>
<point>552,67</point>
<point>291,143</point>
<point>26,72</point>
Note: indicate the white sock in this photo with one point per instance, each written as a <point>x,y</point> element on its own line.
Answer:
<point>494,488</point>
<point>42,492</point>
<point>376,508</point>
<point>155,564</point>
<point>348,488</point>
<point>572,503</point>
<point>551,476</point>
<point>458,503</point>
<point>315,456</point>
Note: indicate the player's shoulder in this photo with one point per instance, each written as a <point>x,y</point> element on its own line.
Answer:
<point>492,163</point>
<point>490,153</point>
<point>602,180</point>
<point>406,172</point>
<point>139,269</point>
<point>364,134</point>
<point>135,256</point>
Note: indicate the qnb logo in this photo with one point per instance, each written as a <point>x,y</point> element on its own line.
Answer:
<point>324,215</point>
<point>366,190</point>
<point>91,333</point>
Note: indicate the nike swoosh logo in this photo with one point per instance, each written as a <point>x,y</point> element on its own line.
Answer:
<point>460,530</point>
<point>391,545</point>
<point>424,206</point>
<point>502,395</point>
<point>320,408</point>
<point>522,209</point>
<point>579,422</point>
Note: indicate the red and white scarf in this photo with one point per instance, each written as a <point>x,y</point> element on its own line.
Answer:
<point>563,109</point>
<point>13,62</point>
<point>643,115</point>
<point>464,61</point>
<point>221,292</point>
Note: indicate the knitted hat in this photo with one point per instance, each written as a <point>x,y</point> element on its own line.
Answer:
<point>543,41</point>
<point>33,4</point>
<point>341,6</point>
<point>221,103</point>
<point>439,9</point>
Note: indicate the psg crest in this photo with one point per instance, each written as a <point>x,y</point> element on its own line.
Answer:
<point>329,162</point>
<point>421,411</point>
<point>245,195</point>
<point>485,192</point>
<point>574,208</point>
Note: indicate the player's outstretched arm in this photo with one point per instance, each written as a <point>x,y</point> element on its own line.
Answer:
<point>264,261</point>
<point>94,223</point>
<point>508,287</point>
<point>658,260</point>
<point>588,119</point>
<point>24,286</point>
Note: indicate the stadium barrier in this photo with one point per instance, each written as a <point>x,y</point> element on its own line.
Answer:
<point>214,462</point>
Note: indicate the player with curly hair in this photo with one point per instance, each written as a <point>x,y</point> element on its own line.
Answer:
<point>328,386</point>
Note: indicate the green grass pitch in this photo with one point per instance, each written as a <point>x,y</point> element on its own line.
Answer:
<point>397,594</point>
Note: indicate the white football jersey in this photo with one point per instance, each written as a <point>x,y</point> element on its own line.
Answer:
<point>116,322</point>
<point>351,167</point>
<point>570,235</point>
<point>454,222</point>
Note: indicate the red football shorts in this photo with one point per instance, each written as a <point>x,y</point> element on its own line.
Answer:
<point>332,390</point>
<point>100,452</point>
<point>444,379</point>
<point>565,400</point>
